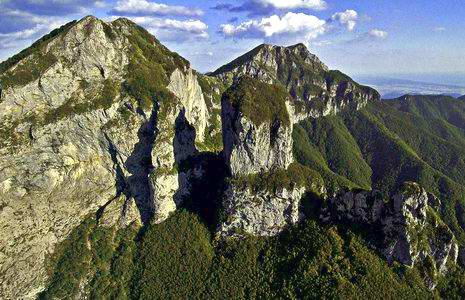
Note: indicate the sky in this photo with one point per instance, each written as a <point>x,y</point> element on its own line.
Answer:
<point>410,39</point>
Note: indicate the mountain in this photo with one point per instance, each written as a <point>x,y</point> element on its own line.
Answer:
<point>124,173</point>
<point>317,90</point>
<point>91,119</point>
<point>461,98</point>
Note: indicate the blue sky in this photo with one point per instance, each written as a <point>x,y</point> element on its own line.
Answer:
<point>365,37</point>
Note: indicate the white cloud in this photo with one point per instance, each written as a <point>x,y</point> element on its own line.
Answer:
<point>37,26</point>
<point>174,30</point>
<point>377,33</point>
<point>147,8</point>
<point>291,4</point>
<point>101,4</point>
<point>292,27</point>
<point>439,29</point>
<point>347,18</point>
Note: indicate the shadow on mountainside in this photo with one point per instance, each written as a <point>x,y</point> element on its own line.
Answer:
<point>201,176</point>
<point>139,165</point>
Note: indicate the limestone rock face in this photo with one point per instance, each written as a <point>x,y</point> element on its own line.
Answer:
<point>181,129</point>
<point>120,213</point>
<point>260,214</point>
<point>75,143</point>
<point>186,87</point>
<point>412,232</point>
<point>266,62</point>
<point>251,148</point>
<point>55,172</point>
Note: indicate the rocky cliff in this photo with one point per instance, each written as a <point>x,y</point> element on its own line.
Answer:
<point>95,117</point>
<point>410,230</point>
<point>257,137</point>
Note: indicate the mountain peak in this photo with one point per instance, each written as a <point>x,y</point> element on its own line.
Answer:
<point>299,46</point>
<point>266,61</point>
<point>308,80</point>
<point>89,18</point>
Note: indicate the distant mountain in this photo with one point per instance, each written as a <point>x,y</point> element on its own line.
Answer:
<point>461,98</point>
<point>391,88</point>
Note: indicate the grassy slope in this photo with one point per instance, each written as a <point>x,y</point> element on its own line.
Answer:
<point>327,145</point>
<point>394,142</point>
<point>260,102</point>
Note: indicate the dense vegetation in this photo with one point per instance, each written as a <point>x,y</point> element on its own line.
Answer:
<point>259,102</point>
<point>389,143</point>
<point>295,175</point>
<point>328,145</point>
<point>180,259</point>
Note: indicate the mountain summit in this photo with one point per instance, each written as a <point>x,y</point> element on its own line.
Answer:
<point>308,80</point>
<point>124,173</point>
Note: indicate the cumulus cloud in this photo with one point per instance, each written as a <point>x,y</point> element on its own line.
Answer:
<point>147,8</point>
<point>377,33</point>
<point>368,37</point>
<point>263,7</point>
<point>291,28</point>
<point>170,30</point>
<point>347,18</point>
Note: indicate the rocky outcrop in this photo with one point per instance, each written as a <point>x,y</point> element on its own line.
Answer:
<point>412,232</point>
<point>77,141</point>
<point>262,213</point>
<point>186,88</point>
<point>249,148</point>
<point>119,213</point>
<point>257,135</point>
<point>316,90</point>
<point>257,132</point>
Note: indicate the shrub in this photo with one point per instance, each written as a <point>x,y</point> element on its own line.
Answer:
<point>258,101</point>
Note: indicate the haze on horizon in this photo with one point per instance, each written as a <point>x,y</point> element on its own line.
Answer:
<point>412,40</point>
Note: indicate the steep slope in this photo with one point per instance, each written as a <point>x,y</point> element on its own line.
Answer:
<point>265,188</point>
<point>94,119</point>
<point>398,143</point>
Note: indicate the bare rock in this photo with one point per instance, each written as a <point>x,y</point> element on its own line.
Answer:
<point>412,231</point>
